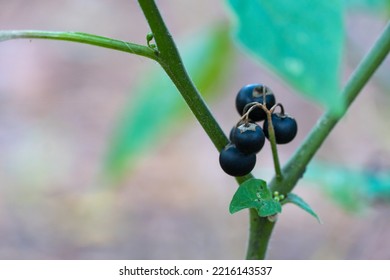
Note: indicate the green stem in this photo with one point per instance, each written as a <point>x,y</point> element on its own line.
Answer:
<point>171,61</point>
<point>296,166</point>
<point>260,231</point>
<point>80,37</point>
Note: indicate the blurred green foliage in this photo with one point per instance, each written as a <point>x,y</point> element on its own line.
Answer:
<point>377,6</point>
<point>301,41</point>
<point>354,189</point>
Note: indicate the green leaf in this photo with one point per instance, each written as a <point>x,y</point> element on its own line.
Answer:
<point>148,116</point>
<point>381,6</point>
<point>293,198</point>
<point>254,193</point>
<point>300,40</point>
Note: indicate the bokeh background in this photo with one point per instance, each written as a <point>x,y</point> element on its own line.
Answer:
<point>62,105</point>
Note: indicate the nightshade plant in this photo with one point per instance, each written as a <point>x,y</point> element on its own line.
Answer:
<point>260,26</point>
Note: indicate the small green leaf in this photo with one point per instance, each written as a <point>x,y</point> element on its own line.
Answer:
<point>293,198</point>
<point>254,193</point>
<point>300,40</point>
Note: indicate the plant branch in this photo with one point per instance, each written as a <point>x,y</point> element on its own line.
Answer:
<point>296,166</point>
<point>80,37</point>
<point>171,62</point>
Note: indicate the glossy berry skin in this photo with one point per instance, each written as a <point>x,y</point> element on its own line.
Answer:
<point>253,93</point>
<point>285,128</point>
<point>236,163</point>
<point>248,138</point>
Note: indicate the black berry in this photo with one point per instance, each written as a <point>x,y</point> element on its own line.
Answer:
<point>248,138</point>
<point>254,93</point>
<point>285,128</point>
<point>236,163</point>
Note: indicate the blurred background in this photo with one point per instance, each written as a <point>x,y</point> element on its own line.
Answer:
<point>100,159</point>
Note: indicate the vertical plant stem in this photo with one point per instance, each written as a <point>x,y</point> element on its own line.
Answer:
<point>260,230</point>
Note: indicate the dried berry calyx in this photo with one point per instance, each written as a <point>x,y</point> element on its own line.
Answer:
<point>248,138</point>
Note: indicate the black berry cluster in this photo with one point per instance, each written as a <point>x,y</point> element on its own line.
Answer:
<point>253,103</point>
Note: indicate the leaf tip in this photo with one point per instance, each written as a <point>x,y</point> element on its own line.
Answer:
<point>295,199</point>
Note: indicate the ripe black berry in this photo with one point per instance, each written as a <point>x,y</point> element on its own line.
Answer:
<point>254,93</point>
<point>285,128</point>
<point>248,138</point>
<point>236,163</point>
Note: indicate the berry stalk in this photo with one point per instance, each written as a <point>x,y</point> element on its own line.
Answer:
<point>274,149</point>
